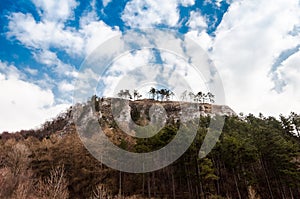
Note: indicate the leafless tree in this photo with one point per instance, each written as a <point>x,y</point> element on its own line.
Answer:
<point>54,186</point>
<point>15,177</point>
<point>183,95</point>
<point>101,192</point>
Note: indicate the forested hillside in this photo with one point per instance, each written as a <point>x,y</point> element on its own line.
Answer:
<point>256,157</point>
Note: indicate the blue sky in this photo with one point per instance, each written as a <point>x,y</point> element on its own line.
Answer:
<point>254,45</point>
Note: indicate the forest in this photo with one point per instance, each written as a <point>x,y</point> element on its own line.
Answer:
<point>255,157</point>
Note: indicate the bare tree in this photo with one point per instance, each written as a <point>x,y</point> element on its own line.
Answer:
<point>101,192</point>
<point>172,95</point>
<point>192,96</point>
<point>183,95</point>
<point>54,186</point>
<point>15,177</point>
<point>127,94</point>
<point>18,159</point>
<point>121,94</point>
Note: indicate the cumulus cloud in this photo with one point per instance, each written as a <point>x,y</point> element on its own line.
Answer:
<point>55,10</point>
<point>149,13</point>
<point>51,60</point>
<point>44,34</point>
<point>248,41</point>
<point>10,71</point>
<point>43,37</point>
<point>290,71</point>
<point>197,30</point>
<point>96,32</point>
<point>51,32</point>
<point>197,21</point>
<point>144,68</point>
<point>65,86</point>
<point>24,105</point>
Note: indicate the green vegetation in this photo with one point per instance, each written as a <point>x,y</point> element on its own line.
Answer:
<point>256,157</point>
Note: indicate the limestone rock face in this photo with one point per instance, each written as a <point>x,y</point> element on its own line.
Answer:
<point>126,110</point>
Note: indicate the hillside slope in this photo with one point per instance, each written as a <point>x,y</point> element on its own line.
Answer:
<point>254,158</point>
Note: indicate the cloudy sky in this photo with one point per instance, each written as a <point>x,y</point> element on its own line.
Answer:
<point>254,44</point>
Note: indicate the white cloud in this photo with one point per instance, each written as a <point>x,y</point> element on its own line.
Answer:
<point>48,33</point>
<point>95,33</point>
<point>55,10</point>
<point>44,34</point>
<point>202,38</point>
<point>31,71</point>
<point>46,57</point>
<point>139,70</point>
<point>10,71</point>
<point>216,2</point>
<point>53,32</point>
<point>290,71</point>
<point>145,14</point>
<point>118,73</point>
<point>24,105</point>
<point>196,21</point>
<point>248,41</point>
<point>66,87</point>
<point>2,77</point>
<point>183,74</point>
<point>250,37</point>
<point>65,76</point>
<point>106,2</point>
<point>197,30</point>
<point>187,2</point>
<point>50,59</point>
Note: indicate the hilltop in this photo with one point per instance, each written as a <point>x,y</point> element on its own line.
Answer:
<point>254,157</point>
<point>64,121</point>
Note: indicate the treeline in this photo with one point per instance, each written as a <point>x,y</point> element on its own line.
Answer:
<point>165,95</point>
<point>46,129</point>
<point>158,94</point>
<point>256,157</point>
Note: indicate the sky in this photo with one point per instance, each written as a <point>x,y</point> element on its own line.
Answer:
<point>254,45</point>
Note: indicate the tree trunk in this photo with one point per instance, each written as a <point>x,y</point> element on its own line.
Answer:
<point>120,185</point>
<point>149,188</point>
<point>143,183</point>
<point>188,182</point>
<point>153,182</point>
<point>200,182</point>
<point>173,186</point>
<point>292,197</point>
<point>282,188</point>
<point>236,184</point>
<point>266,176</point>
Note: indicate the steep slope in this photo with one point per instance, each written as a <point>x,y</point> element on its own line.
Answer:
<point>254,158</point>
